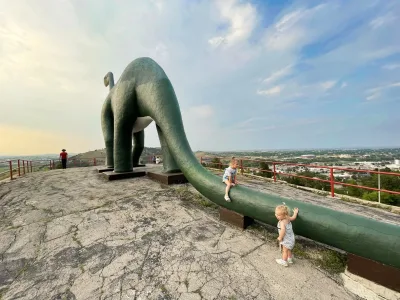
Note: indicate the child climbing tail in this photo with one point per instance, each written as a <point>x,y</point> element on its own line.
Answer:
<point>286,235</point>
<point>229,177</point>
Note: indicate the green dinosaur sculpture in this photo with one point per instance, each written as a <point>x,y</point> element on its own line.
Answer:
<point>144,90</point>
<point>107,119</point>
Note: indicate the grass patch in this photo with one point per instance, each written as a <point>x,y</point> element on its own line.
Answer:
<point>166,295</point>
<point>369,203</point>
<point>328,260</point>
<point>82,268</point>
<point>76,240</point>
<point>22,270</point>
<point>188,196</point>
<point>3,291</point>
<point>75,229</point>
<point>14,227</point>
<point>269,235</point>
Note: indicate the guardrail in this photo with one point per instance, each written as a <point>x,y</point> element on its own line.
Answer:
<point>20,167</point>
<point>16,168</point>
<point>215,161</point>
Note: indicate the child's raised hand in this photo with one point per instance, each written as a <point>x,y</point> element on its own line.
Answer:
<point>296,210</point>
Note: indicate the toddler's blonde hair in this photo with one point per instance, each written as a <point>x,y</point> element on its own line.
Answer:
<point>233,161</point>
<point>282,210</point>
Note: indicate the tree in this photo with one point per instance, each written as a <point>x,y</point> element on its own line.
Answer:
<point>216,163</point>
<point>354,191</point>
<point>265,170</point>
<point>386,198</point>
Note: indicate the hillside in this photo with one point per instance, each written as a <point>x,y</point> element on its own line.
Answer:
<point>101,154</point>
<point>147,151</point>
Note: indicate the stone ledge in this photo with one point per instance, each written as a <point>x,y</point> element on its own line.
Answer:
<point>367,289</point>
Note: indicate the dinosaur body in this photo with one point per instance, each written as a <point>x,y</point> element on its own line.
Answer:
<point>144,90</point>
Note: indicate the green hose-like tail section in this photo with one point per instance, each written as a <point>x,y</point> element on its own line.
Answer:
<point>352,233</point>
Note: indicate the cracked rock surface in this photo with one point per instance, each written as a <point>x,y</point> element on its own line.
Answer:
<point>69,234</point>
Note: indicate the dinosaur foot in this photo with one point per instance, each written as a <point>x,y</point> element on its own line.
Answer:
<point>111,175</point>
<point>167,178</point>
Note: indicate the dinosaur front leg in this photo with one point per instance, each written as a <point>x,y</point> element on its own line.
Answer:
<point>123,145</point>
<point>169,163</point>
<point>107,125</point>
<point>138,146</point>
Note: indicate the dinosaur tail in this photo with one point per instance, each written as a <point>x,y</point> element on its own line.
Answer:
<point>359,235</point>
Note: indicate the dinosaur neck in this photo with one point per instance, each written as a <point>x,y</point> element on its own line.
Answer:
<point>111,80</point>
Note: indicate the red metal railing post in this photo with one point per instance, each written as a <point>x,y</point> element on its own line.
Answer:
<point>332,183</point>
<point>19,168</point>
<point>94,161</point>
<point>51,166</point>
<point>31,167</point>
<point>54,165</point>
<point>23,165</point>
<point>11,171</point>
<point>241,166</point>
<point>274,171</point>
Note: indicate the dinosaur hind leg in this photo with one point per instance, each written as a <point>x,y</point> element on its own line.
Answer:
<point>125,115</point>
<point>138,146</point>
<point>169,163</point>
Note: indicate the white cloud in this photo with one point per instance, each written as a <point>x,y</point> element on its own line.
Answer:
<point>242,18</point>
<point>279,74</point>
<point>158,3</point>
<point>381,53</point>
<point>378,92</point>
<point>327,84</point>
<point>391,66</point>
<point>52,62</point>
<point>292,30</point>
<point>272,91</point>
<point>382,20</point>
<point>216,41</point>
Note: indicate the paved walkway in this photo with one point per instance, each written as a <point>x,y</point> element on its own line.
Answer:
<point>69,234</point>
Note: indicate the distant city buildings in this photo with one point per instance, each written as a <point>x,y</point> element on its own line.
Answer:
<point>307,156</point>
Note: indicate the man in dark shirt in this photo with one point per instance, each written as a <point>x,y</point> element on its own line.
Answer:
<point>64,156</point>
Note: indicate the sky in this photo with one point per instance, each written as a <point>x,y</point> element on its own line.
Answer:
<point>265,74</point>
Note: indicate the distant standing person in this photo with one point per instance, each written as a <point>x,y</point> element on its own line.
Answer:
<point>63,157</point>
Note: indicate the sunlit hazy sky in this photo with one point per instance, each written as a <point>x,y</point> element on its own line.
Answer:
<point>248,74</point>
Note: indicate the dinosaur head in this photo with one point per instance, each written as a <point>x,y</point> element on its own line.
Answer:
<point>108,78</point>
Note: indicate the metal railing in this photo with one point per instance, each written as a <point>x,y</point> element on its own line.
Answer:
<point>19,167</point>
<point>208,161</point>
